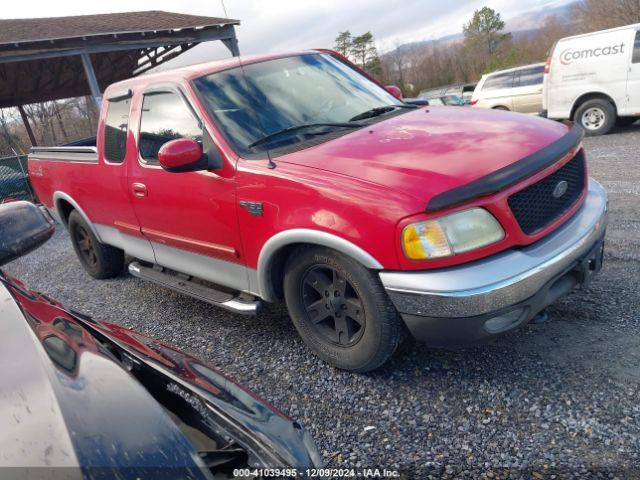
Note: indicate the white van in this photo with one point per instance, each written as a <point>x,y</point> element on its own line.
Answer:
<point>594,79</point>
<point>517,89</point>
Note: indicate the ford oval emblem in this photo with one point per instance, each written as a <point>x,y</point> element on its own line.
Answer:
<point>560,189</point>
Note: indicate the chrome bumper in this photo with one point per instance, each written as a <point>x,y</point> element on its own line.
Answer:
<point>504,279</point>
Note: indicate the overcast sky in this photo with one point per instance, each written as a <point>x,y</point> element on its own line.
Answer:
<point>277,25</point>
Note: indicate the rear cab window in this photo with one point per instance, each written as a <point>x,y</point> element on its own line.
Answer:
<point>636,48</point>
<point>165,117</point>
<point>116,129</point>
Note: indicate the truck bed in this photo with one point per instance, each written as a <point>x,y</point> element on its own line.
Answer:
<point>69,169</point>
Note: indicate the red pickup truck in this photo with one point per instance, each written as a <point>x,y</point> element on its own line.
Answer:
<point>297,176</point>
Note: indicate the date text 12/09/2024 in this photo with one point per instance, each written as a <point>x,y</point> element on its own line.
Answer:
<point>317,473</point>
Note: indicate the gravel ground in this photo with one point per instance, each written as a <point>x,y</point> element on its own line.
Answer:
<point>555,398</point>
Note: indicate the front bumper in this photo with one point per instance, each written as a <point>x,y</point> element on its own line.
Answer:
<point>470,302</point>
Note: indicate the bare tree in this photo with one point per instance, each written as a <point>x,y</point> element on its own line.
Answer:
<point>399,64</point>
<point>603,14</point>
<point>54,122</point>
<point>9,141</point>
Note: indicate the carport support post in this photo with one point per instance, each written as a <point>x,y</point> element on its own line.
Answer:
<point>232,44</point>
<point>91,78</point>
<point>27,125</point>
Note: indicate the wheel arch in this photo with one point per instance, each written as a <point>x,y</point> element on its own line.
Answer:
<point>64,204</point>
<point>276,250</point>
<point>591,96</point>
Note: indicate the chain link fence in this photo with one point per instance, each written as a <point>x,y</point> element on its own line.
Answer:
<point>14,181</point>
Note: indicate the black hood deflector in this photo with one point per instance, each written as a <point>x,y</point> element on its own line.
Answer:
<point>509,175</point>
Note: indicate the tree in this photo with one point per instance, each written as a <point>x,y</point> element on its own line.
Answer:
<point>602,14</point>
<point>343,43</point>
<point>484,31</point>
<point>9,141</point>
<point>364,52</point>
<point>399,63</point>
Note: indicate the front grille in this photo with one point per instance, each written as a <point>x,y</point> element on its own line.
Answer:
<point>535,207</point>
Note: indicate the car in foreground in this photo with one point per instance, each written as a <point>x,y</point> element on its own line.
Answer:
<point>516,89</point>
<point>298,177</point>
<point>84,398</point>
<point>594,79</point>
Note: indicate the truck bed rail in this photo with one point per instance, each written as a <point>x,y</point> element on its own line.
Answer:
<point>67,154</point>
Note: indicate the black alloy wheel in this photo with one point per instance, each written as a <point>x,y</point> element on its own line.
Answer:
<point>333,306</point>
<point>340,309</point>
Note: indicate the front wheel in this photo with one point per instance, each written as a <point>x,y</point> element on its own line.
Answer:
<point>596,116</point>
<point>340,309</point>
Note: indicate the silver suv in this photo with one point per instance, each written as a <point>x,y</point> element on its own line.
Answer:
<point>517,89</point>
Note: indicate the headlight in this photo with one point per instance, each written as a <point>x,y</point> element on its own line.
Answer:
<point>451,234</point>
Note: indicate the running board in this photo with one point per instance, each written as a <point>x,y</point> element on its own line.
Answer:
<point>228,301</point>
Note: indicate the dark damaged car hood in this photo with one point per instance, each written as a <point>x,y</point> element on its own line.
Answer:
<point>91,396</point>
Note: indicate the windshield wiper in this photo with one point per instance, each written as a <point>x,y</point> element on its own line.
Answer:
<point>308,126</point>
<point>377,111</point>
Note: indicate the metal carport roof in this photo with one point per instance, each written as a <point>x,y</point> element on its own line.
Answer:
<point>44,59</point>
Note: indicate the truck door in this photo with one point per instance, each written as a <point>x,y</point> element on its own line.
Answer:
<point>190,218</point>
<point>633,80</point>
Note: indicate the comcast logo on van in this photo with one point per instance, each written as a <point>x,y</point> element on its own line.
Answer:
<point>570,55</point>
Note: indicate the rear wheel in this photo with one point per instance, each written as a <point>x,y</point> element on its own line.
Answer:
<point>505,109</point>
<point>99,260</point>
<point>340,309</point>
<point>596,117</point>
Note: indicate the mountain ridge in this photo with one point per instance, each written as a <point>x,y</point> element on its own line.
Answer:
<point>521,25</point>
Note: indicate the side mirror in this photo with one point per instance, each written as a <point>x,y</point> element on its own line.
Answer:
<point>23,228</point>
<point>182,155</point>
<point>395,91</point>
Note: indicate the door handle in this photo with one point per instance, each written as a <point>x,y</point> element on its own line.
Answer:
<point>139,190</point>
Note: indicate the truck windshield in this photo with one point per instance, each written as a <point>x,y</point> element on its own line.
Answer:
<point>252,103</point>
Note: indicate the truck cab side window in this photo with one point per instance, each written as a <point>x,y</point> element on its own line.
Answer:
<point>636,48</point>
<point>165,117</point>
<point>115,130</point>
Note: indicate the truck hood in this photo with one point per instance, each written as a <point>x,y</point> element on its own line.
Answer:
<point>432,150</point>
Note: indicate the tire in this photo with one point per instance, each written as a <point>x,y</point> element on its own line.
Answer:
<point>356,326</point>
<point>596,117</point>
<point>504,109</point>
<point>626,121</point>
<point>99,260</point>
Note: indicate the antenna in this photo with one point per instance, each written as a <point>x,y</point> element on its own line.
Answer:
<point>271,163</point>
<point>224,9</point>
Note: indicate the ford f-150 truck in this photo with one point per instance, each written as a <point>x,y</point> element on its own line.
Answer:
<point>299,177</point>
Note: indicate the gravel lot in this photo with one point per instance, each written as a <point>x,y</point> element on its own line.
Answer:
<point>555,398</point>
